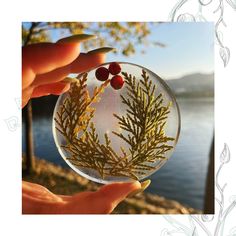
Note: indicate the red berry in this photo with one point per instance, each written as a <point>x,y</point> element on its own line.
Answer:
<point>102,73</point>
<point>117,82</point>
<point>114,68</point>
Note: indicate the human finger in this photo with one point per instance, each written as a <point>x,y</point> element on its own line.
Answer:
<point>44,57</point>
<point>84,62</point>
<point>54,88</point>
<point>102,201</point>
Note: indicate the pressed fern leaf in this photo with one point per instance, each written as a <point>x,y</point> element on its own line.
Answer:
<point>142,128</point>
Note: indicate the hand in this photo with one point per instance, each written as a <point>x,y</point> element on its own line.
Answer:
<point>36,199</point>
<point>44,66</point>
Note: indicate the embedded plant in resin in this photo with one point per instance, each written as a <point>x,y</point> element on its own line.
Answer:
<point>140,134</point>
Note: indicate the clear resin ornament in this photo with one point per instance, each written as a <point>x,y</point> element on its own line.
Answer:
<point>116,129</point>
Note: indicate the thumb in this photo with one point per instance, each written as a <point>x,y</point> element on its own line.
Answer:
<point>118,191</point>
<point>109,196</point>
<point>102,201</point>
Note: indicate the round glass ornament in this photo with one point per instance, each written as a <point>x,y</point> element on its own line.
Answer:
<point>116,133</point>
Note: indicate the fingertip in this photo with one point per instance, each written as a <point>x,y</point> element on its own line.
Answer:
<point>130,186</point>
<point>109,196</point>
<point>144,185</point>
<point>66,87</point>
<point>118,191</point>
<point>133,186</point>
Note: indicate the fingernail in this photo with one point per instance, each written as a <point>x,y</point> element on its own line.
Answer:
<point>70,80</point>
<point>144,185</point>
<point>102,50</point>
<point>77,38</point>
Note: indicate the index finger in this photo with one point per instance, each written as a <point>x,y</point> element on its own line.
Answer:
<point>45,57</point>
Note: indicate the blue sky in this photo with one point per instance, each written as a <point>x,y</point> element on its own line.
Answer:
<point>190,49</point>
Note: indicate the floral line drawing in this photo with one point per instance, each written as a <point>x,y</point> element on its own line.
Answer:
<point>12,123</point>
<point>200,222</point>
<point>224,51</point>
<point>18,102</point>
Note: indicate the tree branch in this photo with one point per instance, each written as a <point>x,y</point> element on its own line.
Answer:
<point>31,32</point>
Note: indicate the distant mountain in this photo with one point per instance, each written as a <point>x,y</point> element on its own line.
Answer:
<point>193,85</point>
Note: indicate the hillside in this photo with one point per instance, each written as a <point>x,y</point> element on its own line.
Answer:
<point>193,85</point>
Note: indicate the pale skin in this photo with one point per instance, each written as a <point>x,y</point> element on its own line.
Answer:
<point>44,66</point>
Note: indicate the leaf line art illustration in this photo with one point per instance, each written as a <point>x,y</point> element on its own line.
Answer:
<point>224,51</point>
<point>198,223</point>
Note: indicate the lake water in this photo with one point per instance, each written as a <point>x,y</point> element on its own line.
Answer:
<point>183,177</point>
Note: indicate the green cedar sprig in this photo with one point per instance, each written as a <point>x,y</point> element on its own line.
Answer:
<point>142,127</point>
